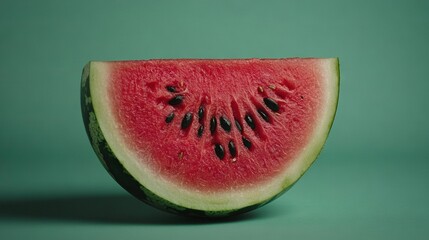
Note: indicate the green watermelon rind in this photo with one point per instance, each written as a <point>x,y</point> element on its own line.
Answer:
<point>121,175</point>
<point>116,169</point>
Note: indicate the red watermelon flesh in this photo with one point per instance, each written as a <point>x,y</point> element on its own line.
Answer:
<point>213,127</point>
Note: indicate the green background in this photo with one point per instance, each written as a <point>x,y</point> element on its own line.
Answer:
<point>370,182</point>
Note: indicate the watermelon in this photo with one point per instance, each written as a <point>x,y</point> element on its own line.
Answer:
<point>209,137</point>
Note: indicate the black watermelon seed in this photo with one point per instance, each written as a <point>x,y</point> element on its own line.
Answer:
<point>176,100</point>
<point>220,153</point>
<point>186,121</point>
<point>213,123</point>
<point>271,104</point>
<point>264,115</point>
<point>201,112</point>
<point>225,123</point>
<point>169,117</point>
<point>232,149</point>
<point>249,121</point>
<point>247,143</point>
<point>171,89</point>
<point>238,126</point>
<point>200,131</point>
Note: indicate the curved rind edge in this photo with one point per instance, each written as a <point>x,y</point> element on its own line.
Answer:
<point>120,174</point>
<point>288,183</point>
<point>129,183</point>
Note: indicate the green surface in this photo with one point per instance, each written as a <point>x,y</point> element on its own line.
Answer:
<point>370,182</point>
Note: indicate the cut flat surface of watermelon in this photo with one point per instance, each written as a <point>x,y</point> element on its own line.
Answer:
<point>211,137</point>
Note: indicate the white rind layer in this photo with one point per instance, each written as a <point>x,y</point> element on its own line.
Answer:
<point>215,201</point>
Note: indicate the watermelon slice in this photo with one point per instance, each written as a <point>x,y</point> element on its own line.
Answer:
<point>209,137</point>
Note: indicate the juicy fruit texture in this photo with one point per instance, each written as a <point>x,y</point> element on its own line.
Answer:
<point>272,113</point>
<point>210,135</point>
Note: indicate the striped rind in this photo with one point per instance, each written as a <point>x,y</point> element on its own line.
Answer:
<point>115,168</point>
<point>130,182</point>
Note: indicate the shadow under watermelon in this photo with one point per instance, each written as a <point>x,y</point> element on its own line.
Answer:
<point>107,208</point>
